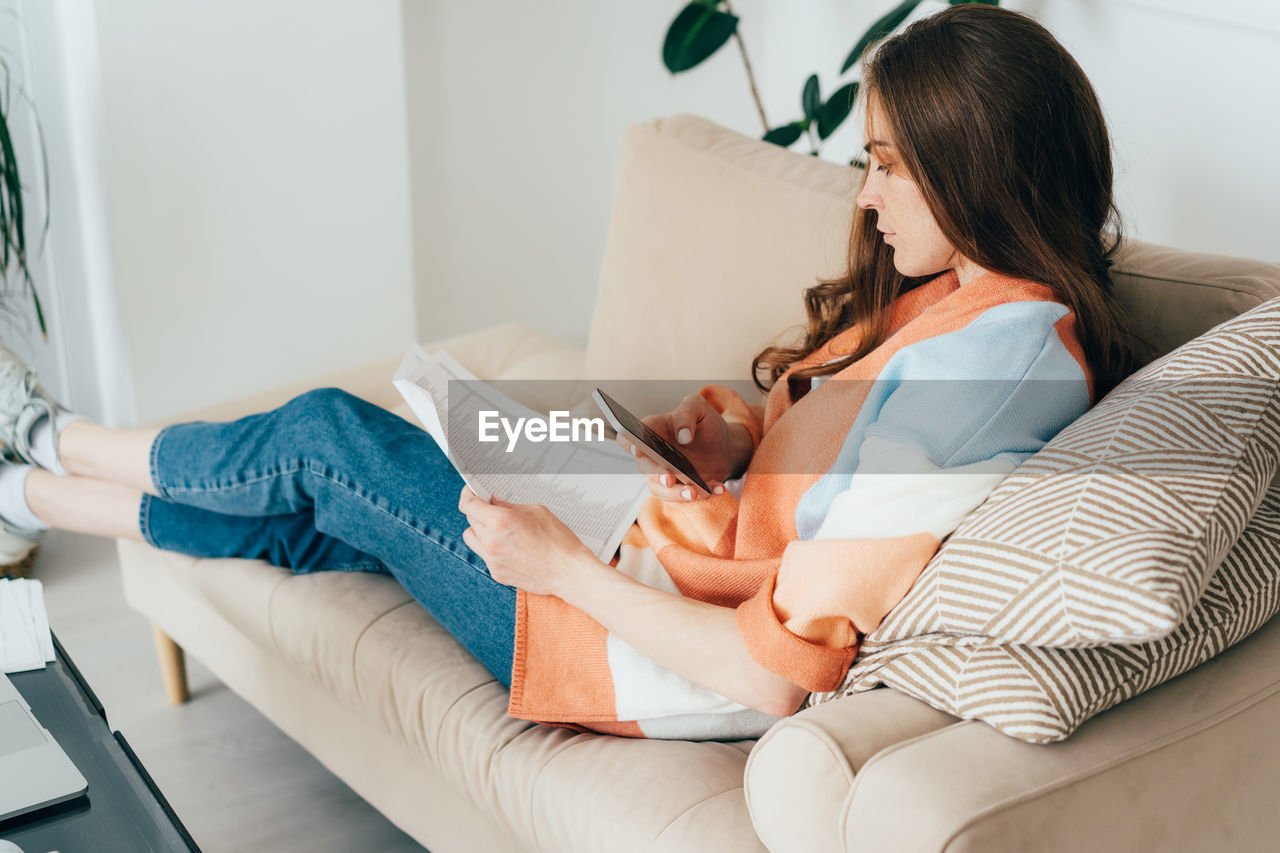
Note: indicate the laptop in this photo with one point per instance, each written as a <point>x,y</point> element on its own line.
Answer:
<point>34,771</point>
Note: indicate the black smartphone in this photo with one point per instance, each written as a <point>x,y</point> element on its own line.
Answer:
<point>653,445</point>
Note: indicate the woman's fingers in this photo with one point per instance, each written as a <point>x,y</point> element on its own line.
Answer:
<point>471,540</point>
<point>660,424</point>
<point>647,466</point>
<point>666,487</point>
<point>684,420</point>
<point>477,511</point>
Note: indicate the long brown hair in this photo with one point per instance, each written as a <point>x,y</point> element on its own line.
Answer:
<point>1003,133</point>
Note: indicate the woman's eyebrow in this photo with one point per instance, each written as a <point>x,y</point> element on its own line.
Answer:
<point>878,143</point>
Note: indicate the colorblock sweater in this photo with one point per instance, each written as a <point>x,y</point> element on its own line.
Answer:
<point>850,490</point>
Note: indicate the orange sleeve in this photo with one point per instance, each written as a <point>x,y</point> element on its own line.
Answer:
<point>814,667</point>
<point>807,620</point>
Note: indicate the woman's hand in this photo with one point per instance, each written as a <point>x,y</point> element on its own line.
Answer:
<point>524,545</point>
<point>718,450</point>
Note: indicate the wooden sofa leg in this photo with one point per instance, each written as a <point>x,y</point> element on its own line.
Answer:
<point>173,666</point>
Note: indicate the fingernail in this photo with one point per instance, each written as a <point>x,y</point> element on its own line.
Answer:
<point>686,494</point>
<point>666,480</point>
<point>633,450</point>
<point>684,436</point>
<point>719,490</point>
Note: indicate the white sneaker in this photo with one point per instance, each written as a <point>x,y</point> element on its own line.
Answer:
<point>18,548</point>
<point>22,403</point>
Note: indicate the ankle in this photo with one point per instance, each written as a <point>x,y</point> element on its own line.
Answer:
<point>72,439</point>
<point>14,506</point>
<point>45,438</point>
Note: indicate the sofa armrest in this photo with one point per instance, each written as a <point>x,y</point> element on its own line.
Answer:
<point>1188,765</point>
<point>507,351</point>
<point>800,773</point>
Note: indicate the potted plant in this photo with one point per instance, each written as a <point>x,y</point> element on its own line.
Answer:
<point>704,26</point>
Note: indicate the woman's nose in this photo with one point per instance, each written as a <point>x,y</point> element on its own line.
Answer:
<point>868,199</point>
<point>869,196</point>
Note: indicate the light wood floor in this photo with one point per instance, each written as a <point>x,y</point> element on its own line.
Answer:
<point>235,780</point>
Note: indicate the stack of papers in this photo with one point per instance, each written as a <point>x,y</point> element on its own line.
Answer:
<point>599,507</point>
<point>25,641</point>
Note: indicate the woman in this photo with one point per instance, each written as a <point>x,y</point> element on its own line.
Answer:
<point>978,257</point>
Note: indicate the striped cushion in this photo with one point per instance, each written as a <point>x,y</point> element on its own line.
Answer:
<point>1042,694</point>
<point>1110,533</point>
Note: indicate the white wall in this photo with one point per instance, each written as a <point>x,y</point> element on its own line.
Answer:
<point>257,191</point>
<point>515,113</point>
<point>1189,89</point>
<point>84,361</point>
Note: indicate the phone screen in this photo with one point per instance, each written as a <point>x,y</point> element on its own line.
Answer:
<point>666,452</point>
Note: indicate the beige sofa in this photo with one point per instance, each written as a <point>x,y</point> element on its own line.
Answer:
<point>713,237</point>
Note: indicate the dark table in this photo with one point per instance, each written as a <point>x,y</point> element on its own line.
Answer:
<point>123,810</point>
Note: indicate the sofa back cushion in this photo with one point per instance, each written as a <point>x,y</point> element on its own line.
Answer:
<point>1172,295</point>
<point>714,237</point>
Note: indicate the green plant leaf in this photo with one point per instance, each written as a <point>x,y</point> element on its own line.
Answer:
<point>696,33</point>
<point>889,22</point>
<point>12,219</point>
<point>836,109</point>
<point>13,226</point>
<point>786,135</point>
<point>810,98</point>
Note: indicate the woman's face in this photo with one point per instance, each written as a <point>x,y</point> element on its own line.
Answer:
<point>902,217</point>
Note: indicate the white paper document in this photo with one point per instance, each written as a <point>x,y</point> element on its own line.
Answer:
<point>25,640</point>
<point>598,507</point>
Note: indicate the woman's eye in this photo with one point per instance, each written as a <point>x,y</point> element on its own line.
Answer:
<point>882,168</point>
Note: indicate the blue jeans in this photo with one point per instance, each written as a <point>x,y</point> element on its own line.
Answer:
<point>329,482</point>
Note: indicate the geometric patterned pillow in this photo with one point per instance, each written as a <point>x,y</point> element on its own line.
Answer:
<point>1042,694</point>
<point>1111,531</point>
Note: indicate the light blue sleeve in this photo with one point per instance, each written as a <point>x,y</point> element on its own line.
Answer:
<point>947,419</point>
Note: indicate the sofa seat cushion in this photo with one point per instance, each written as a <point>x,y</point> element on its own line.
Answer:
<point>372,647</point>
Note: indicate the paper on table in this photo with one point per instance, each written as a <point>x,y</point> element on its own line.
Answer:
<point>25,640</point>
<point>598,507</point>
<point>41,619</point>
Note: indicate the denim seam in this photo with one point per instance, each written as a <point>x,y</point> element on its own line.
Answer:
<point>427,533</point>
<point>430,534</point>
<point>154,457</point>
<point>144,520</point>
<point>366,566</point>
<point>292,468</point>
